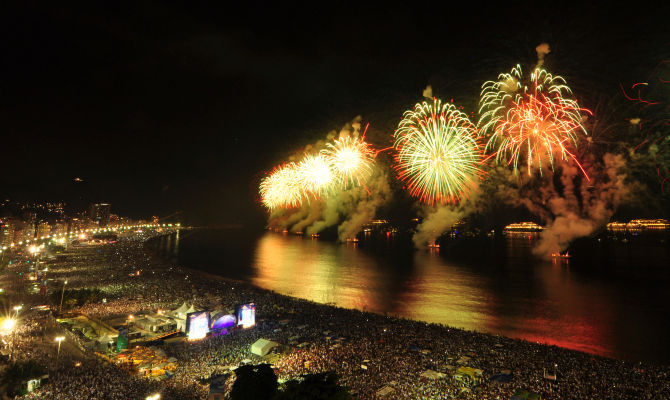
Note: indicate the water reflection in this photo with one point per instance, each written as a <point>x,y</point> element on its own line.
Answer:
<point>320,272</point>
<point>540,302</point>
<point>613,303</point>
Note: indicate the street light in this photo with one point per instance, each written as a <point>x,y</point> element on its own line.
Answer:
<point>154,396</point>
<point>59,339</point>
<point>61,297</point>
<point>8,325</point>
<point>17,308</point>
<point>8,329</point>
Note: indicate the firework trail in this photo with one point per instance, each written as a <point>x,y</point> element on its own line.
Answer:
<point>438,155</point>
<point>533,122</point>
<point>653,119</point>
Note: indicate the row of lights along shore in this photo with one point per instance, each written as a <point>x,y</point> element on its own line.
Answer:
<point>81,234</point>
<point>8,325</point>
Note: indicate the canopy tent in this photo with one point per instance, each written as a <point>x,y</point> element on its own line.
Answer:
<point>262,347</point>
<point>179,315</point>
<point>430,374</point>
<point>463,360</point>
<point>182,310</point>
<point>385,391</point>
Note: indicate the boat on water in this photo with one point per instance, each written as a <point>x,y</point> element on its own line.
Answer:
<point>523,227</point>
<point>558,254</point>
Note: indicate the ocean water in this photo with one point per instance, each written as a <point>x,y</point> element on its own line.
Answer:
<point>611,299</point>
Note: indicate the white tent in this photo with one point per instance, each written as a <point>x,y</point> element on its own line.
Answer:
<point>463,360</point>
<point>179,315</point>
<point>182,310</point>
<point>385,391</point>
<point>430,374</point>
<point>263,346</point>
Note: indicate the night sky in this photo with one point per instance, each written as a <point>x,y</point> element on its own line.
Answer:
<point>173,106</point>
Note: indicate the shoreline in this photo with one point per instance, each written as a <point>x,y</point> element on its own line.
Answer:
<point>541,385</point>
<point>251,286</point>
<point>369,351</point>
<point>214,276</point>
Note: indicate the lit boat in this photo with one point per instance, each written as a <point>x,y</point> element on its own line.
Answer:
<point>637,225</point>
<point>523,227</point>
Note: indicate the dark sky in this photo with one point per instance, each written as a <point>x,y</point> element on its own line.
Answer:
<point>174,106</point>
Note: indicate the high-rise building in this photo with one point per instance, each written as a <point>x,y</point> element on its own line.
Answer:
<point>16,230</point>
<point>7,232</point>
<point>59,228</point>
<point>99,213</point>
<point>43,229</point>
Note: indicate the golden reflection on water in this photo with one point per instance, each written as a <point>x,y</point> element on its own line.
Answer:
<point>443,295</point>
<point>346,276</point>
<point>315,271</point>
<point>542,304</point>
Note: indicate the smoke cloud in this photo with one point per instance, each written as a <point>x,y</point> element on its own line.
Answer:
<point>428,92</point>
<point>581,207</point>
<point>440,218</point>
<point>542,50</point>
<point>568,204</point>
<point>361,205</point>
<point>437,220</point>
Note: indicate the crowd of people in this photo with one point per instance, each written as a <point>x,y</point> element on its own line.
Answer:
<point>368,351</point>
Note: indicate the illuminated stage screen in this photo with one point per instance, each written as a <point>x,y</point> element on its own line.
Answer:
<point>246,315</point>
<point>197,325</point>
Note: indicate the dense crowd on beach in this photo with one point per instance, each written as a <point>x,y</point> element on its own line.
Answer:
<point>368,351</point>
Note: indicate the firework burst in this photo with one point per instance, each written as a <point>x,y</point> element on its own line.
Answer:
<point>438,155</point>
<point>315,175</point>
<point>351,160</point>
<point>281,188</point>
<point>530,123</point>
